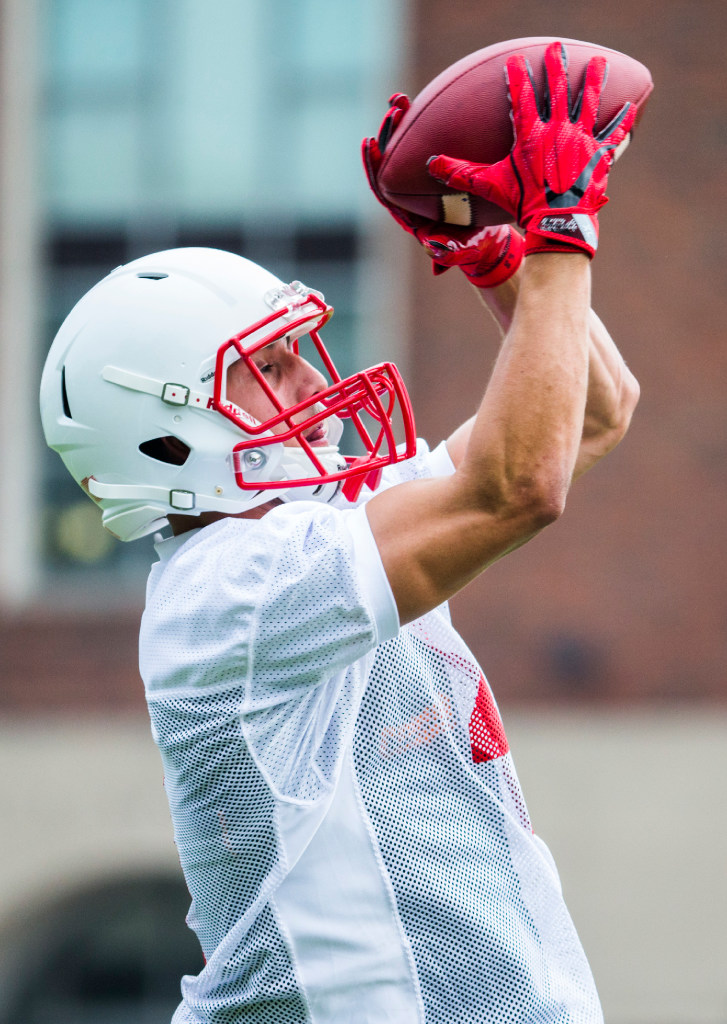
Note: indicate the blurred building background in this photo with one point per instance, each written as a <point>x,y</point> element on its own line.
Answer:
<point>128,126</point>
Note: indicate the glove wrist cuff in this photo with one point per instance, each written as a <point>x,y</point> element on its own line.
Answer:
<point>485,274</point>
<point>540,243</point>
<point>561,231</point>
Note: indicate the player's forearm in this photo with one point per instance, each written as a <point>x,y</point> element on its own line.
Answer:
<point>525,438</point>
<point>613,391</point>
<point>501,301</point>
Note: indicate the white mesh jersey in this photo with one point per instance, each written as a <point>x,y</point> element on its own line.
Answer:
<point>345,806</point>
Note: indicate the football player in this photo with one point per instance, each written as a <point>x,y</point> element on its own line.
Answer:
<point>344,800</point>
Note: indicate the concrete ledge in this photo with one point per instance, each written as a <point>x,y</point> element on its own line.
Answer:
<point>631,804</point>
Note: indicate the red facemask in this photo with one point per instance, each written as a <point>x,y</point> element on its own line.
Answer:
<point>369,400</point>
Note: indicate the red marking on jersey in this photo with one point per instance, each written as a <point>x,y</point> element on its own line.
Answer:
<point>487,734</point>
<point>422,729</point>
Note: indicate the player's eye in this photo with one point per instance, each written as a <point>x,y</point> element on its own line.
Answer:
<point>268,368</point>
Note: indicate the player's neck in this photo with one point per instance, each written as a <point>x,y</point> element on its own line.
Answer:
<point>182,524</point>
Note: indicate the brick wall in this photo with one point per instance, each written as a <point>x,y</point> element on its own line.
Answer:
<point>69,663</point>
<point>625,597</point>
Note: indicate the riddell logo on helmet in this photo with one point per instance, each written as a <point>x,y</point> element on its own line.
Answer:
<point>234,410</point>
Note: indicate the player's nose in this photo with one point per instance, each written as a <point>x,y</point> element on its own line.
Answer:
<point>308,380</point>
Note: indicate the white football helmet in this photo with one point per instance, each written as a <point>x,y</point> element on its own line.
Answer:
<point>143,358</point>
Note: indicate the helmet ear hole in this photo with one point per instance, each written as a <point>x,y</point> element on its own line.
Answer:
<point>167,449</point>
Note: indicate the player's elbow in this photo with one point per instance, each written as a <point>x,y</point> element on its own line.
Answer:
<point>628,397</point>
<point>628,400</point>
<point>608,430</point>
<point>536,500</point>
<point>547,504</point>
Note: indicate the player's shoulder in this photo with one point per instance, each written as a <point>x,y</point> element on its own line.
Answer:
<point>249,550</point>
<point>425,463</point>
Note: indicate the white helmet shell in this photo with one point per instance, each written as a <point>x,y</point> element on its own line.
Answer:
<point>136,360</point>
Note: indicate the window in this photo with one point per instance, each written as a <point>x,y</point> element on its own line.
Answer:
<point>112,952</point>
<point>232,124</point>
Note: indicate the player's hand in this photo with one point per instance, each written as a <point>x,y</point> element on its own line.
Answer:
<point>372,151</point>
<point>553,181</point>
<point>487,256</point>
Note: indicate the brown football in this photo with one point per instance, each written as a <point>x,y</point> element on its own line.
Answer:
<point>465,113</point>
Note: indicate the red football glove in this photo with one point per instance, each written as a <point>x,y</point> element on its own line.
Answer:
<point>554,179</point>
<point>372,151</point>
<point>487,256</point>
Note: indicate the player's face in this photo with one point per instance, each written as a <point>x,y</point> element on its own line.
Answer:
<point>291,377</point>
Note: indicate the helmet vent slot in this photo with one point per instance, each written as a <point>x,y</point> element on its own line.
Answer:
<point>151,276</point>
<point>64,395</point>
<point>167,449</point>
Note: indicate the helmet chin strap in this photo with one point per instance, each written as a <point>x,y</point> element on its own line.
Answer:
<point>296,464</point>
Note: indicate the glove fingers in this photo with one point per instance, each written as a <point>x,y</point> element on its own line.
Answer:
<point>493,182</point>
<point>399,104</point>
<point>590,99</point>
<point>456,174</point>
<point>464,176</point>
<point>619,127</point>
<point>372,158</point>
<point>521,89</point>
<point>371,155</point>
<point>557,85</point>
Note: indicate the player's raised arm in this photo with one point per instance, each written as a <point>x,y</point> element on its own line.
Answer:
<point>613,391</point>
<point>434,536</point>
<point>516,462</point>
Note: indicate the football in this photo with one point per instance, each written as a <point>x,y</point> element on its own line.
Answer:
<point>465,113</point>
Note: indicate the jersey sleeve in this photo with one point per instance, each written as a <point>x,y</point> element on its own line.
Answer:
<point>325,603</point>
<point>266,629</point>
